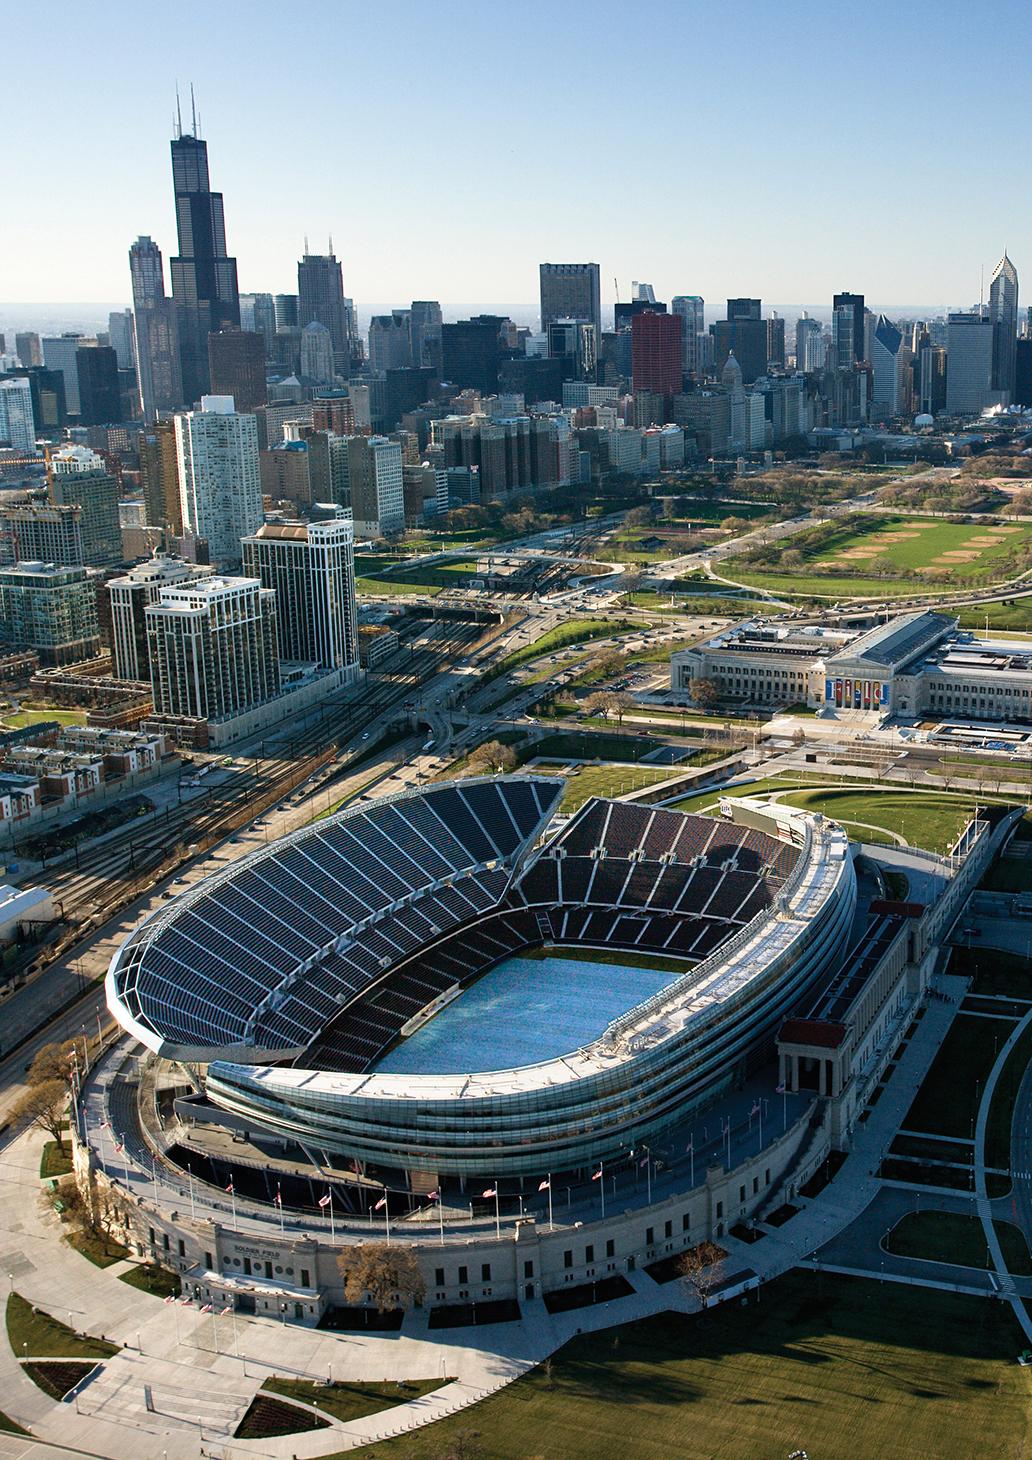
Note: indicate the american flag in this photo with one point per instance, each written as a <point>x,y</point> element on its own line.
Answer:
<point>780,1089</point>
<point>324,1201</point>
<point>277,1199</point>
<point>491,1191</point>
<point>755,1110</point>
<point>229,1188</point>
<point>433,1196</point>
<point>544,1185</point>
<point>381,1203</point>
<point>598,1175</point>
<point>171,1298</point>
<point>207,1307</point>
<point>224,1311</point>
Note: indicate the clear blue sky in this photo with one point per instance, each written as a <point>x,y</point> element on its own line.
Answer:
<point>776,149</point>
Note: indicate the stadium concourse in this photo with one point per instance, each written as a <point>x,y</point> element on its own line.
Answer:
<point>699,1008</point>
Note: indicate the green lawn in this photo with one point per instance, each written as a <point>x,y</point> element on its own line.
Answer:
<point>55,1161</point>
<point>841,1367</point>
<point>17,719</point>
<point>352,1401</point>
<point>380,586</point>
<point>947,1101</point>
<point>98,1247</point>
<point>150,1278</point>
<point>583,782</point>
<point>577,631</point>
<point>36,1335</point>
<point>1001,1111</point>
<point>1010,613</point>
<point>701,605</point>
<point>930,821</point>
<point>954,1237</point>
<point>994,972</point>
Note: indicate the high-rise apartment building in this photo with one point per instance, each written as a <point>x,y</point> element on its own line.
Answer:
<point>311,568</point>
<point>1003,311</point>
<point>885,370</point>
<point>157,339</point>
<point>212,648</point>
<point>100,401</point>
<point>28,348</point>
<point>204,277</point>
<point>236,360</point>
<point>656,354</point>
<point>849,332</point>
<point>51,610</point>
<point>570,291</point>
<point>159,474</point>
<point>128,599</point>
<point>574,343</point>
<point>41,532</point>
<point>376,485</point>
<point>219,476</point>
<point>80,476</point>
<point>969,363</point>
<point>17,419</point>
<point>320,298</point>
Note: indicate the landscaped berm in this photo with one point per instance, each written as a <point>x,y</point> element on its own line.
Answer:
<point>843,1368</point>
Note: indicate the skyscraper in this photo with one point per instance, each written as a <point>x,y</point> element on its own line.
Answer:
<point>160,477</point>
<point>311,567</point>
<point>79,475</point>
<point>157,340</point>
<point>320,298</point>
<point>570,291</point>
<point>59,354</point>
<point>850,326</point>
<point>40,532</point>
<point>425,324</point>
<point>50,609</point>
<point>376,485</point>
<point>691,308</point>
<point>204,277</point>
<point>885,370</point>
<point>17,421</point>
<point>317,353</point>
<point>129,597</point>
<point>237,362</point>
<point>27,348</point>
<point>809,347</point>
<point>743,334</point>
<point>656,361</point>
<point>471,350</point>
<point>390,340</point>
<point>219,475</point>
<point>99,397</point>
<point>969,362</point>
<point>1003,311</point>
<point>120,337</point>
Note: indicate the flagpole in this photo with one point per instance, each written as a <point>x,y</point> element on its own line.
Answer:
<point>329,1191</point>
<point>214,1329</point>
<point>387,1215</point>
<point>193,1207</point>
<point>691,1152</point>
<point>648,1176</point>
<point>440,1217</point>
<point>232,1196</point>
<point>551,1224</point>
<point>602,1188</point>
<point>279,1203</point>
<point>498,1217</point>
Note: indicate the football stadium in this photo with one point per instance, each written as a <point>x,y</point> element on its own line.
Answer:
<point>387,988</point>
<point>546,1052</point>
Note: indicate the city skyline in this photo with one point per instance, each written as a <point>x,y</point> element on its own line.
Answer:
<point>814,223</point>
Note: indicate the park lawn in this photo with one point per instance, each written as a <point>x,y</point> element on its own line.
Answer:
<point>930,821</point>
<point>847,1366</point>
<point>957,1238</point>
<point>583,782</point>
<point>150,1278</point>
<point>577,631</point>
<point>1001,1111</point>
<point>18,719</point>
<point>591,745</point>
<point>947,1101</point>
<point>930,541</point>
<point>710,800</point>
<point>98,1247</point>
<point>1011,613</point>
<point>35,1335</point>
<point>382,586</point>
<point>811,585</point>
<point>992,971</point>
<point>700,604</point>
<point>352,1401</point>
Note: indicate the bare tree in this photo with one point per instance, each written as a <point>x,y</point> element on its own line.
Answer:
<point>600,703</point>
<point>492,757</point>
<point>45,1106</point>
<point>701,1269</point>
<point>621,705</point>
<point>388,1275</point>
<point>464,1445</point>
<point>52,1062</point>
<point>704,693</point>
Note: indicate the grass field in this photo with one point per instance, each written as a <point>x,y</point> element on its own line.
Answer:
<point>55,1160</point>
<point>846,1368</point>
<point>1001,1111</point>
<point>98,1247</point>
<point>1014,614</point>
<point>953,1237</point>
<point>947,1101</point>
<point>38,1336</point>
<point>150,1278</point>
<point>700,604</point>
<point>352,1401</point>
<point>18,719</point>
<point>930,821</point>
<point>583,782</point>
<point>577,631</point>
<point>605,955</point>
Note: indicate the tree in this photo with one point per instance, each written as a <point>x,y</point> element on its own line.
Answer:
<point>52,1062</point>
<point>464,1445</point>
<point>621,704</point>
<point>600,703</point>
<point>701,1269</point>
<point>492,758</point>
<point>44,1106</point>
<point>389,1275</point>
<point>704,693</point>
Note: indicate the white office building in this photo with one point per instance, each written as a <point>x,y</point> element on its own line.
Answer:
<point>969,363</point>
<point>129,597</point>
<point>220,485</point>
<point>17,423</point>
<point>311,568</point>
<point>376,484</point>
<point>885,368</point>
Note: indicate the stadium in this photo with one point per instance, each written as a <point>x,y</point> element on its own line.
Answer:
<point>459,985</point>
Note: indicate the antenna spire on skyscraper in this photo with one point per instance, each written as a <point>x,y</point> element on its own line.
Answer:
<point>193,109</point>
<point>306,245</point>
<point>331,245</point>
<point>177,121</point>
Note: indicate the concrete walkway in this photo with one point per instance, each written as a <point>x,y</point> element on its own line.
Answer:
<point>202,1371</point>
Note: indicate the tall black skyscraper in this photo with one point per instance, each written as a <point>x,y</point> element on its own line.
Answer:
<point>320,300</point>
<point>855,302</point>
<point>204,277</point>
